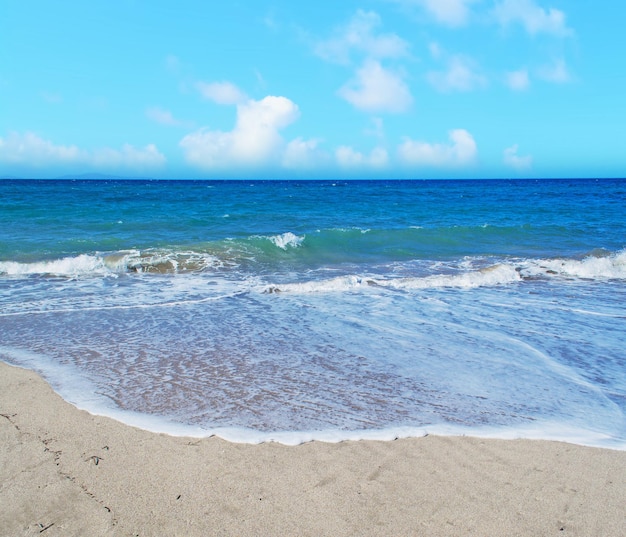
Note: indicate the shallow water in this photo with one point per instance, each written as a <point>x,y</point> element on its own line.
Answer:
<point>320,310</point>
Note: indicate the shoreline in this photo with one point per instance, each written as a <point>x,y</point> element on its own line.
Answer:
<point>64,471</point>
<point>540,431</point>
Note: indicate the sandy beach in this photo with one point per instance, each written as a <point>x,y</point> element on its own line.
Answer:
<point>64,472</point>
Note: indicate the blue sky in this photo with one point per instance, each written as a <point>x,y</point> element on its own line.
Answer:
<point>364,89</point>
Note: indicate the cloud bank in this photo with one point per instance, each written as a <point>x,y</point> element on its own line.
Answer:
<point>347,157</point>
<point>32,150</point>
<point>461,151</point>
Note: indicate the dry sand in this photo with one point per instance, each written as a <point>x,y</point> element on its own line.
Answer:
<point>64,472</point>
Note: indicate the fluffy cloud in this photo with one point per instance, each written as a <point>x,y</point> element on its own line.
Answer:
<point>448,12</point>
<point>512,159</point>
<point>347,157</point>
<point>532,17</point>
<point>255,139</point>
<point>518,80</point>
<point>359,35</point>
<point>461,151</point>
<point>221,92</point>
<point>33,150</point>
<point>373,88</point>
<point>376,89</point>
<point>460,75</point>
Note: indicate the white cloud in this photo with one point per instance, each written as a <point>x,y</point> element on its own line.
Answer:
<point>28,148</point>
<point>461,151</point>
<point>33,150</point>
<point>303,154</point>
<point>533,18</point>
<point>556,72</point>
<point>512,159</point>
<point>347,157</point>
<point>373,88</point>
<point>221,92</point>
<point>460,75</point>
<point>359,35</point>
<point>448,12</point>
<point>164,117</point>
<point>376,89</point>
<point>255,140</point>
<point>128,157</point>
<point>518,80</point>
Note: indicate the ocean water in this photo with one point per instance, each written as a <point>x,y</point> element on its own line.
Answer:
<point>329,310</point>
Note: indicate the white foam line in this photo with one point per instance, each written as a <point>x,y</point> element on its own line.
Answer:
<point>128,307</point>
<point>542,431</point>
<point>597,313</point>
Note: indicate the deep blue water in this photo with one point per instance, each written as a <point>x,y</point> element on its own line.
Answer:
<point>324,309</point>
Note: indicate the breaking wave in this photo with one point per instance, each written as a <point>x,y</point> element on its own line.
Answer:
<point>602,268</point>
<point>490,276</point>
<point>466,273</point>
<point>113,264</point>
<point>287,240</point>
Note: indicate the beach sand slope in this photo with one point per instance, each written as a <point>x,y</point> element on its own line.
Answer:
<point>64,472</point>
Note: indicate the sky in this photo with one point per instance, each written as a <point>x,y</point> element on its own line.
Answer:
<point>305,90</point>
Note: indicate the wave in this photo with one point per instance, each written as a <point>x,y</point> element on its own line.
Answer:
<point>606,267</point>
<point>286,240</point>
<point>490,276</point>
<point>299,256</point>
<point>601,266</point>
<point>113,264</point>
<point>67,266</point>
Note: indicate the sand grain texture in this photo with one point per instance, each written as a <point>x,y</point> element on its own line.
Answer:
<point>64,472</point>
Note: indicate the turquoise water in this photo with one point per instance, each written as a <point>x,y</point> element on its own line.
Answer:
<point>324,310</point>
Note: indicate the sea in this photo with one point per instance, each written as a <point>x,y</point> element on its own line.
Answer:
<point>329,310</point>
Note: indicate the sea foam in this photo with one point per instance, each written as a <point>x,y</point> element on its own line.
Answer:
<point>605,267</point>
<point>286,240</point>
<point>68,266</point>
<point>114,263</point>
